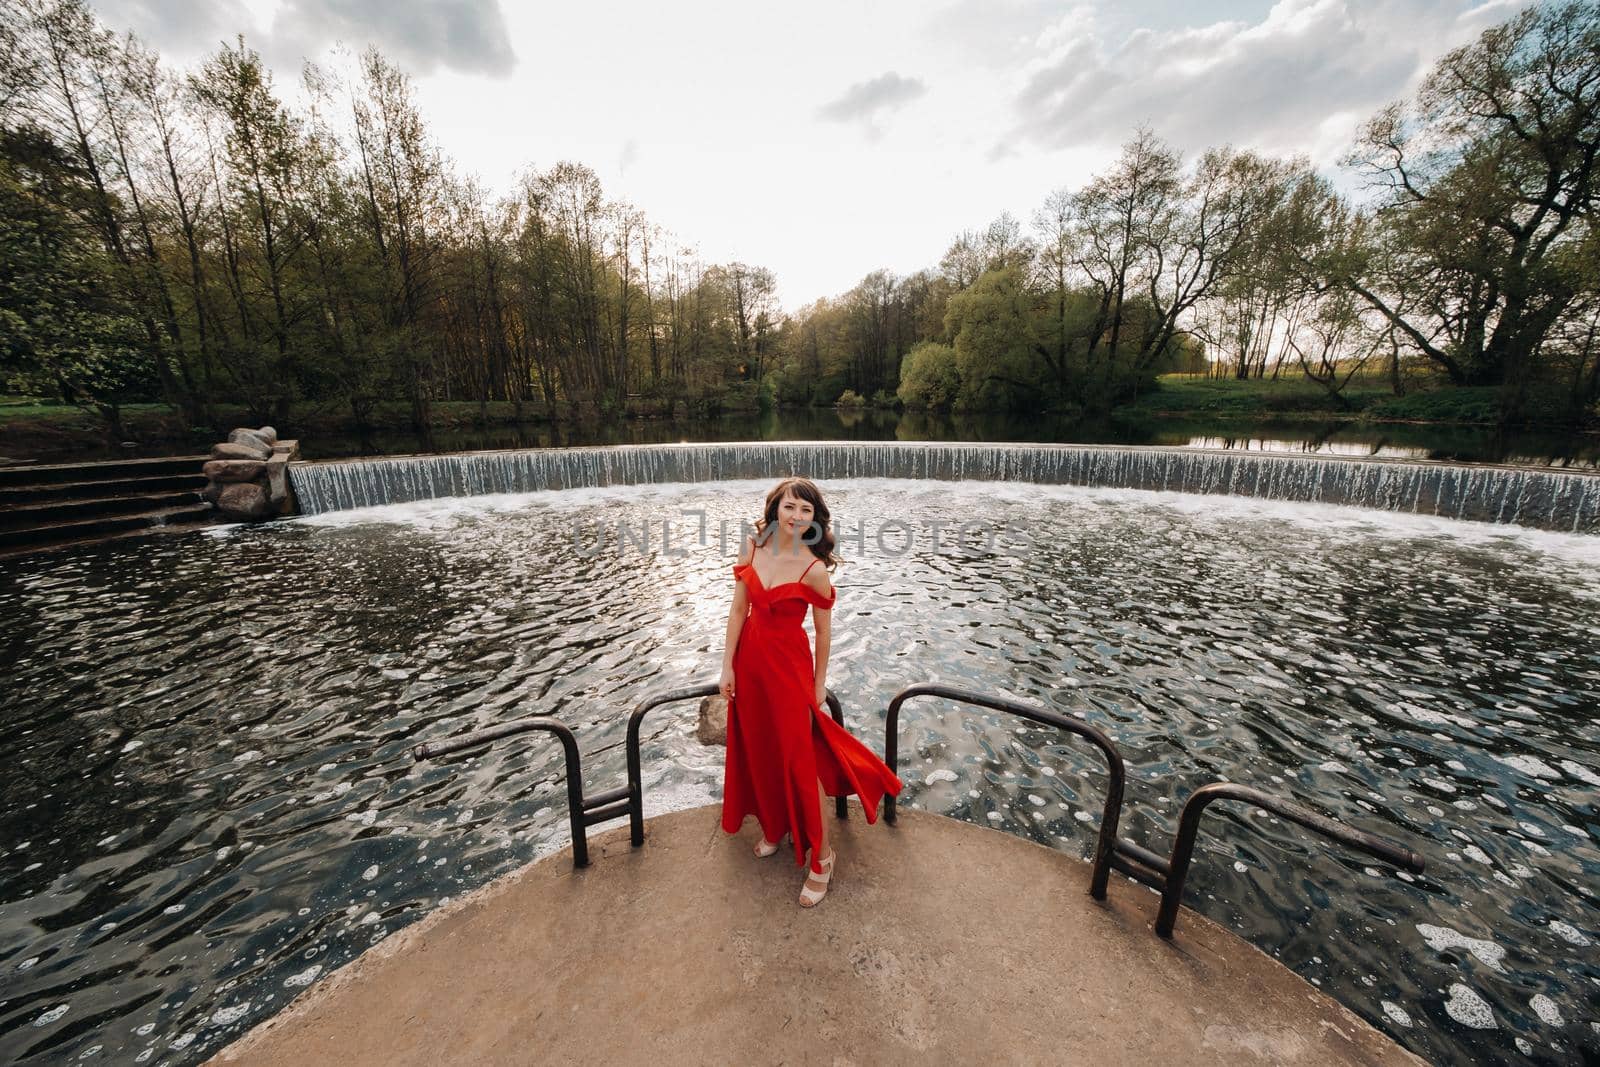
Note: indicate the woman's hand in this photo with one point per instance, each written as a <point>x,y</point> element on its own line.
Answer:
<point>725,683</point>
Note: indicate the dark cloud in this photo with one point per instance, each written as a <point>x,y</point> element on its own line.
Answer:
<point>420,36</point>
<point>1271,84</point>
<point>184,29</point>
<point>863,100</point>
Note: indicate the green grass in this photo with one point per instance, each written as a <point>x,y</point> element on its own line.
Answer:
<point>32,407</point>
<point>1369,399</point>
<point>1254,398</point>
<point>1454,404</point>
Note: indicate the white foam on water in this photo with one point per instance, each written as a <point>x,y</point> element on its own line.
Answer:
<point>1440,938</point>
<point>229,1016</point>
<point>941,775</point>
<point>1546,1010</point>
<point>304,978</point>
<point>1396,1013</point>
<point>1568,933</point>
<point>370,873</point>
<point>1531,765</point>
<point>1580,772</point>
<point>1466,1007</point>
<point>51,1016</point>
<point>184,1041</point>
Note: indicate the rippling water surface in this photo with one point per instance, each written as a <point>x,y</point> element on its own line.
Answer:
<point>209,802</point>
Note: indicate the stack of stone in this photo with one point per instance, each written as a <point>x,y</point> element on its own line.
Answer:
<point>248,475</point>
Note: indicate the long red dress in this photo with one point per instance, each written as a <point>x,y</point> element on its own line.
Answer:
<point>780,742</point>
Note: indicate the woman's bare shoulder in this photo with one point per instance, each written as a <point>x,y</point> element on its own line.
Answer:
<point>747,550</point>
<point>819,579</point>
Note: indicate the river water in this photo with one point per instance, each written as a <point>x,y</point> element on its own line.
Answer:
<point>210,803</point>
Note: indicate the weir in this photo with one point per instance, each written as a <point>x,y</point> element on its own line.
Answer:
<point>1542,498</point>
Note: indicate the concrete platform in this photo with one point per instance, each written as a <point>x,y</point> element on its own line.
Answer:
<point>939,942</point>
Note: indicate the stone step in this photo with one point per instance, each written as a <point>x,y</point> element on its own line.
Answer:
<point>16,496</point>
<point>54,513</point>
<point>32,474</point>
<point>33,537</point>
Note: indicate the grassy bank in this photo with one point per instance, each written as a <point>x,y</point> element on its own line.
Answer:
<point>1299,398</point>
<point>42,430</point>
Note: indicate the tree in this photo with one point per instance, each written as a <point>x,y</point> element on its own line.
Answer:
<point>929,377</point>
<point>63,330</point>
<point>1487,184</point>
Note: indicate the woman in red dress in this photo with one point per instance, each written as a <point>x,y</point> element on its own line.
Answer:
<point>786,755</point>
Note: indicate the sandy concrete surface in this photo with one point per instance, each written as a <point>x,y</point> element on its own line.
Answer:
<point>939,942</point>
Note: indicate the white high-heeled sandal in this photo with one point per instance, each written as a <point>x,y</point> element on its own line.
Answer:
<point>808,896</point>
<point>767,848</point>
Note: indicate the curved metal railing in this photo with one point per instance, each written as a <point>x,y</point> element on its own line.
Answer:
<point>1109,815</point>
<point>1165,875</point>
<point>584,811</point>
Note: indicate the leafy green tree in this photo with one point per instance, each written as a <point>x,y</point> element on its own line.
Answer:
<point>929,377</point>
<point>1489,184</point>
<point>63,329</point>
<point>996,331</point>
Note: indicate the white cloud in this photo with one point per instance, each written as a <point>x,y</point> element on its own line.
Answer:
<point>705,114</point>
<point>1299,80</point>
<point>864,101</point>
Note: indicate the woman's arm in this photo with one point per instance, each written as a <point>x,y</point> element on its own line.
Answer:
<point>822,622</point>
<point>736,614</point>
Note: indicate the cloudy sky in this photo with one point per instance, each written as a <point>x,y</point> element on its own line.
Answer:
<point>827,140</point>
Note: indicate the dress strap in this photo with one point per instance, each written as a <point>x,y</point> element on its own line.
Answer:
<point>813,563</point>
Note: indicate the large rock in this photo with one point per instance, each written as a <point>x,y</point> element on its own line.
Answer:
<point>278,483</point>
<point>268,434</point>
<point>212,492</point>
<point>252,438</point>
<point>232,450</point>
<point>713,728</point>
<point>244,501</point>
<point>234,470</point>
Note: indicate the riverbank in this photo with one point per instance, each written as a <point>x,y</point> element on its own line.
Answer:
<point>33,430</point>
<point>1289,415</point>
<point>1363,401</point>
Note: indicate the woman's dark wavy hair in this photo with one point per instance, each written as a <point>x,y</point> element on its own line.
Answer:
<point>821,518</point>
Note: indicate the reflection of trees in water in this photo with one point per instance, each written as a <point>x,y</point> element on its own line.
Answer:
<point>1464,444</point>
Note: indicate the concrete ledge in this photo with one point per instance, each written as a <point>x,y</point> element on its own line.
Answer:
<point>940,942</point>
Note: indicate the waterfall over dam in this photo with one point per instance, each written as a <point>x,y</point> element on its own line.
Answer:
<point>1538,497</point>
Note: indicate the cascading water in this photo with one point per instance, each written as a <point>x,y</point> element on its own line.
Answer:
<point>1548,499</point>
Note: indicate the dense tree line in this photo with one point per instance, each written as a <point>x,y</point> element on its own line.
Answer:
<point>194,237</point>
<point>1471,259</point>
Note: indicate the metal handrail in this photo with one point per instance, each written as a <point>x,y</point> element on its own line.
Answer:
<point>1104,852</point>
<point>1189,828</point>
<point>1165,875</point>
<point>576,804</point>
<point>650,703</point>
<point>585,811</point>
